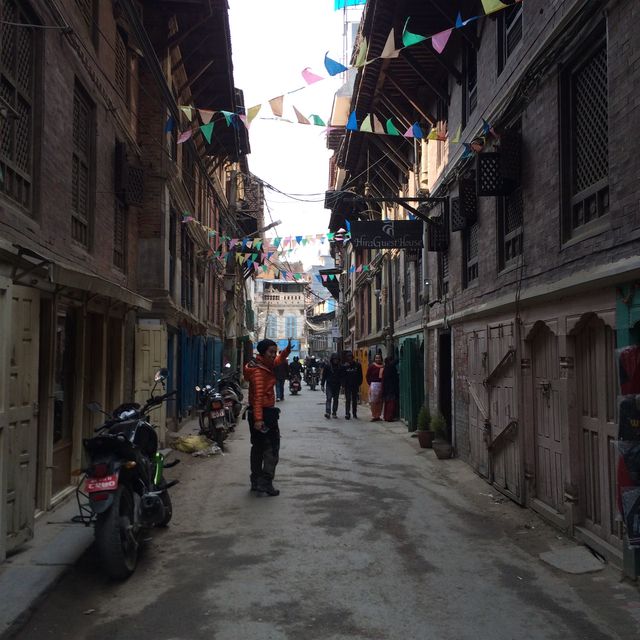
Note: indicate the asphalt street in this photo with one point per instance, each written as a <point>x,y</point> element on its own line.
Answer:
<point>371,537</point>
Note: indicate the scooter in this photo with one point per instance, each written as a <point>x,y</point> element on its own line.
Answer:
<point>294,385</point>
<point>232,395</point>
<point>124,483</point>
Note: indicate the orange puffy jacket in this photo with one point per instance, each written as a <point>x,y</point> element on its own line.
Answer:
<point>261,381</point>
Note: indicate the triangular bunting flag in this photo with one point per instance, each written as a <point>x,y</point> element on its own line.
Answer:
<point>333,67</point>
<point>439,40</point>
<point>359,269</point>
<point>324,278</point>
<point>185,135</point>
<point>330,236</point>
<point>390,50</point>
<point>317,120</point>
<point>207,131</point>
<point>366,124</point>
<point>253,112</point>
<point>206,115</point>
<point>391,128</point>
<point>409,38</point>
<point>409,132</point>
<point>298,239</point>
<point>361,58</point>
<point>491,6</point>
<point>310,77</point>
<point>433,134</point>
<point>332,276</point>
<point>456,136</point>
<point>276,242</point>
<point>319,278</point>
<point>352,125</point>
<point>171,123</point>
<point>228,115</point>
<point>377,125</point>
<point>188,111</point>
<point>301,118</point>
<point>365,267</point>
<point>417,131</point>
<point>276,105</point>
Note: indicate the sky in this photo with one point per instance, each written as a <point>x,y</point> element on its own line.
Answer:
<point>272,42</point>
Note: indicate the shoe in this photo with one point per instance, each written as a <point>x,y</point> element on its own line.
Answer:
<point>334,416</point>
<point>355,416</point>
<point>269,489</point>
<point>347,417</point>
<point>375,419</point>
<point>326,415</point>
<point>254,485</point>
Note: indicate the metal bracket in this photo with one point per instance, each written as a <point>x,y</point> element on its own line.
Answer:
<point>404,203</point>
<point>16,275</point>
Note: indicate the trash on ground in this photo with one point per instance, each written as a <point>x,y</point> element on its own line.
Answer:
<point>212,450</point>
<point>192,444</point>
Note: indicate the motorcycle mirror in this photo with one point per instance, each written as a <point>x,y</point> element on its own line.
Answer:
<point>161,374</point>
<point>198,388</point>
<point>227,366</point>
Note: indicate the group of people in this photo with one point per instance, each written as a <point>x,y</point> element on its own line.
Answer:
<point>346,374</point>
<point>266,386</point>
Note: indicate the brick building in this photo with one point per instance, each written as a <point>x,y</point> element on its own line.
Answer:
<point>96,266</point>
<point>535,241</point>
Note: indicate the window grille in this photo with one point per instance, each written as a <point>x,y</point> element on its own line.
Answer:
<point>83,123</point>
<point>17,80</point>
<point>509,24</point>
<point>470,254</point>
<point>470,97</point>
<point>120,236</point>
<point>443,272</point>
<point>510,220</point>
<point>122,65</point>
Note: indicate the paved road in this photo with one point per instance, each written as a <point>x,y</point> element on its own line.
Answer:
<point>371,538</point>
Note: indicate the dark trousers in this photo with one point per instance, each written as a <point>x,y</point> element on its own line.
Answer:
<point>351,400</point>
<point>265,447</point>
<point>280,389</point>
<point>332,398</point>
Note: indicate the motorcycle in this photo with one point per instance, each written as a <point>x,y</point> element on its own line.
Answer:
<point>294,384</point>
<point>313,377</point>
<point>212,415</point>
<point>124,483</point>
<point>232,395</point>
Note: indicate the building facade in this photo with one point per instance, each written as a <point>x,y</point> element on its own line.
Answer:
<point>531,238</point>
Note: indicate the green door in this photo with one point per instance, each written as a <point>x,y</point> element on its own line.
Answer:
<point>411,381</point>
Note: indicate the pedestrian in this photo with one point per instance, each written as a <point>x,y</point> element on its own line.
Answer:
<point>263,415</point>
<point>281,372</point>
<point>331,382</point>
<point>390,389</point>
<point>374,378</point>
<point>295,370</point>
<point>352,382</point>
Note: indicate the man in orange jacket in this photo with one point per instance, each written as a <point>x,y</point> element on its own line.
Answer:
<point>263,415</point>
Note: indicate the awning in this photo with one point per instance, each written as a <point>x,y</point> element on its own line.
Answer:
<point>69,276</point>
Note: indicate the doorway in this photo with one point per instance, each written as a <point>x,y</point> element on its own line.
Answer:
<point>444,376</point>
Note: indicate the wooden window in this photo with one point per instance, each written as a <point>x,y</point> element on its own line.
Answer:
<point>17,101</point>
<point>188,271</point>
<point>290,326</point>
<point>585,149</point>
<point>443,273</point>
<point>271,331</point>
<point>470,254</point>
<point>120,236</point>
<point>82,166</point>
<point>510,219</point>
<point>122,75</point>
<point>470,82</point>
<point>509,25</point>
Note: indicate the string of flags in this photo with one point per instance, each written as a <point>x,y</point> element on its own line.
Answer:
<point>204,120</point>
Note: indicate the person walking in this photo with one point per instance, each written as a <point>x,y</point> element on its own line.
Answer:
<point>352,382</point>
<point>263,415</point>
<point>374,379</point>
<point>390,389</point>
<point>281,372</point>
<point>331,382</point>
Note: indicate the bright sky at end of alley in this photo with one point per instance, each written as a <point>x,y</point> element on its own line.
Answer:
<point>272,42</point>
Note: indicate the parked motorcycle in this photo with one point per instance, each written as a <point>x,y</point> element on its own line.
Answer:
<point>295,385</point>
<point>124,482</point>
<point>212,415</point>
<point>231,392</point>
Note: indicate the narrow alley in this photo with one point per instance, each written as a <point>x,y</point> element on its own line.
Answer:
<point>371,537</point>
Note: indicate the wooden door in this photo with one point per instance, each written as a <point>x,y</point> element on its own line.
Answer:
<point>151,355</point>
<point>22,426</point>
<point>547,421</point>
<point>596,386</point>
<point>478,409</point>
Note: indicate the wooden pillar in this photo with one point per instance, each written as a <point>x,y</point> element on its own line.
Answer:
<point>5,337</point>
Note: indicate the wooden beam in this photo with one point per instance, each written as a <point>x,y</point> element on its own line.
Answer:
<point>193,79</point>
<point>405,94</point>
<point>415,66</point>
<point>385,147</point>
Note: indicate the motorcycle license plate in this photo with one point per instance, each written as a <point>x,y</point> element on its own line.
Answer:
<point>217,414</point>
<point>108,483</point>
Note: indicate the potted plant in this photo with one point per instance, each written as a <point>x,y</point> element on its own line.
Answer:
<point>441,444</point>
<point>425,435</point>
